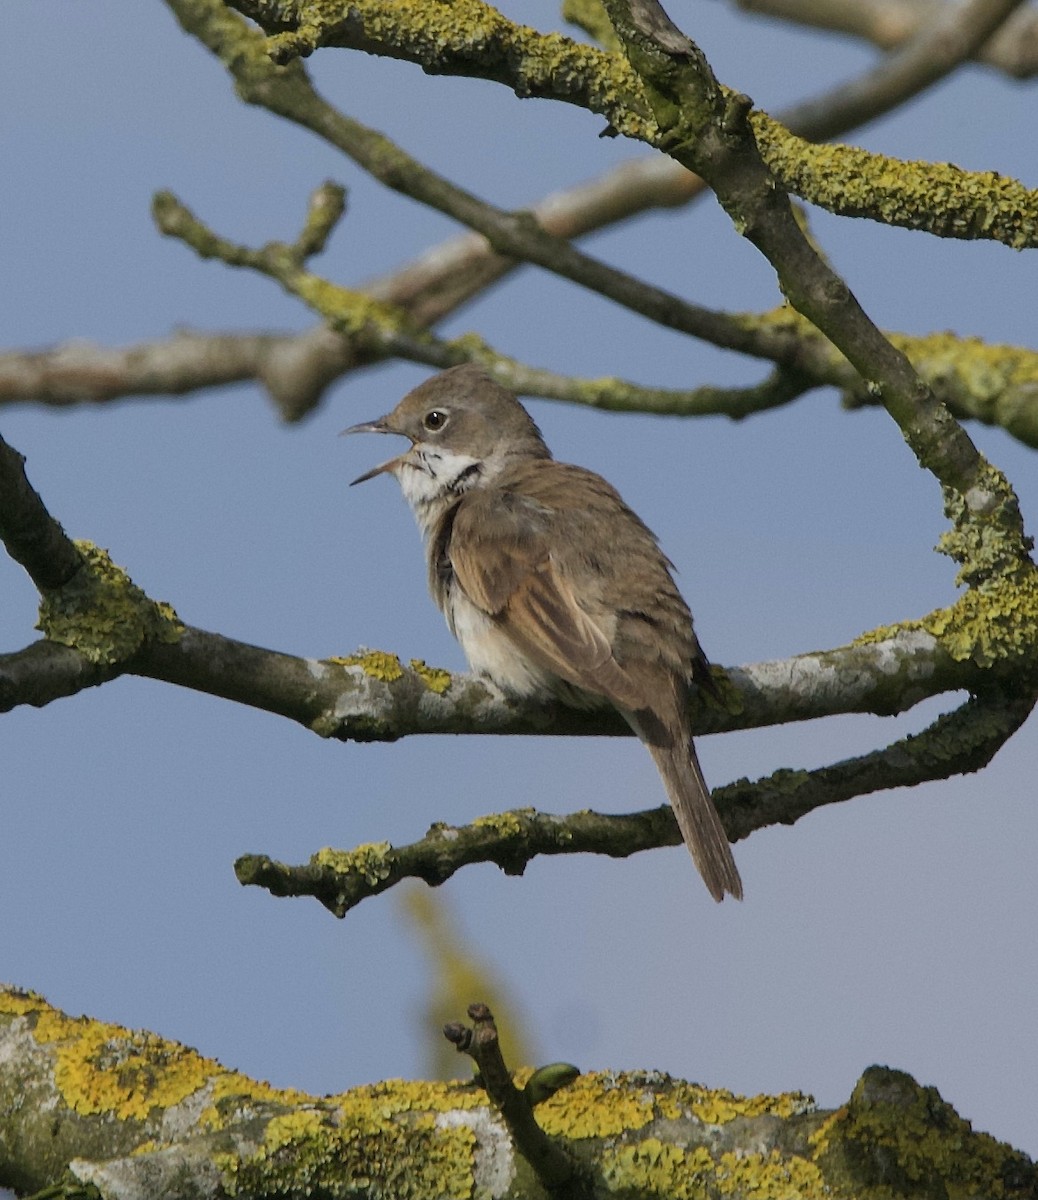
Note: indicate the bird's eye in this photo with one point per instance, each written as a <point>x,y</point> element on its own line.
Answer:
<point>436,419</point>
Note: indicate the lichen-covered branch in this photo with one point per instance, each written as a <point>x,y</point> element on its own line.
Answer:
<point>375,330</point>
<point>956,743</point>
<point>708,130</point>
<point>85,1104</point>
<point>288,92</point>
<point>99,625</point>
<point>937,198</point>
<point>474,39</point>
<point>993,384</point>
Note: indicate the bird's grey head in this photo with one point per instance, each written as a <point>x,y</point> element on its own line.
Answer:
<point>464,428</point>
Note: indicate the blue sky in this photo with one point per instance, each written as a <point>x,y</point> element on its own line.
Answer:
<point>897,928</point>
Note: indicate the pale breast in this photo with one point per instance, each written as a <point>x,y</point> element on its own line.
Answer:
<point>489,651</point>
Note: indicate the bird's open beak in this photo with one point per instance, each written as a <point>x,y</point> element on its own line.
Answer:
<point>378,426</point>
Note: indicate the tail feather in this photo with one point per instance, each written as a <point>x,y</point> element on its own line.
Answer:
<point>697,817</point>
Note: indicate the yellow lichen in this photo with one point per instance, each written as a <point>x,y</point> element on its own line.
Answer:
<point>597,1105</point>
<point>102,613</point>
<point>379,664</point>
<point>17,1003</point>
<point>347,310</point>
<point>939,197</point>
<point>654,1168</point>
<point>769,1177</point>
<point>369,1140</point>
<point>989,624</point>
<point>436,679</point>
<point>506,824</point>
<point>717,1106</point>
<point>103,1068</point>
<point>373,861</point>
<point>892,1129</point>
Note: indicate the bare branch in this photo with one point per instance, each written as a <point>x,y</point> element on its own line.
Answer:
<point>555,1168</point>
<point>950,38</point>
<point>32,537</point>
<point>890,23</point>
<point>294,368</point>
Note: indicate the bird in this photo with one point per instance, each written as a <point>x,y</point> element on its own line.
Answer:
<point>553,586</point>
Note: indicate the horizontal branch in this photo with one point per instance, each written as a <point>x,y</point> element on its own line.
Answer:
<point>956,743</point>
<point>100,625</point>
<point>127,1114</point>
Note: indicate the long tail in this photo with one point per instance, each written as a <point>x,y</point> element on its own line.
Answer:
<point>700,826</point>
<point>697,818</point>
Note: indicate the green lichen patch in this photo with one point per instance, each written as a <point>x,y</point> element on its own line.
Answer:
<point>896,1138</point>
<point>435,679</point>
<point>769,1177</point>
<point>654,1168</point>
<point>102,613</point>
<point>372,861</point>
<point>506,824</point>
<point>362,1148</point>
<point>990,624</point>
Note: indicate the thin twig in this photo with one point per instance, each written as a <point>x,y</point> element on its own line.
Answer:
<point>556,1170</point>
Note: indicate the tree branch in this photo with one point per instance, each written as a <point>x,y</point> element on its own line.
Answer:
<point>707,129</point>
<point>940,199</point>
<point>557,1170</point>
<point>952,37</point>
<point>296,370</point>
<point>956,743</point>
<point>128,1114</point>
<point>891,23</point>
<point>32,537</point>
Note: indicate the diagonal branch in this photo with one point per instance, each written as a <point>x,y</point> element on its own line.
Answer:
<point>32,537</point>
<point>956,743</point>
<point>891,23</point>
<point>707,129</point>
<point>296,369</point>
<point>952,37</point>
<point>924,196</point>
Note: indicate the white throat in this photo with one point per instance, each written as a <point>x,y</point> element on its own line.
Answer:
<point>431,477</point>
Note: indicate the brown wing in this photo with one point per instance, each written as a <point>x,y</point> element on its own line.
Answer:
<point>500,554</point>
